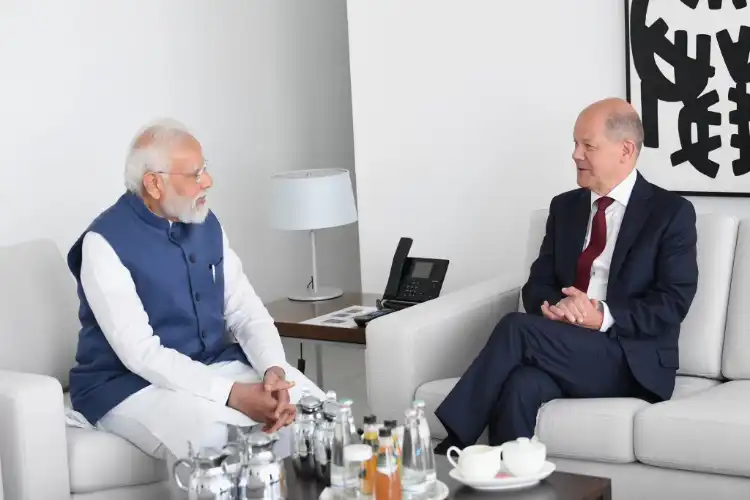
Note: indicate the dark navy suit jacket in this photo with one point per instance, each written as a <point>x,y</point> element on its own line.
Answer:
<point>652,279</point>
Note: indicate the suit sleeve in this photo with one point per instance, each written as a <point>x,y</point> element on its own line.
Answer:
<point>668,300</point>
<point>542,283</point>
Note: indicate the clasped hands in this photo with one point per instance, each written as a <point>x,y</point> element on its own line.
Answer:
<point>575,308</point>
<point>265,402</point>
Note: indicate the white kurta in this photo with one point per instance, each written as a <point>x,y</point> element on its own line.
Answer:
<point>187,399</point>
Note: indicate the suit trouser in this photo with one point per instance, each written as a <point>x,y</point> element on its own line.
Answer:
<point>528,361</point>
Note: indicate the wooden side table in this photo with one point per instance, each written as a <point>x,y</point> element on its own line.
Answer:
<point>288,316</point>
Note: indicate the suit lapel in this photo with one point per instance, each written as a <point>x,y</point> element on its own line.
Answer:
<point>632,223</point>
<point>573,244</point>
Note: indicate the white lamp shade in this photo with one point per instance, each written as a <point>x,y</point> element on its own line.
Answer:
<point>312,199</point>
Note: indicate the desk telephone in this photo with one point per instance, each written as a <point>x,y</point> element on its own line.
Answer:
<point>412,280</point>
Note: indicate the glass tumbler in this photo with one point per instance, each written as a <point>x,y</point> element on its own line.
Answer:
<point>357,478</point>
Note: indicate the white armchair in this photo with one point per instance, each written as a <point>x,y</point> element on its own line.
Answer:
<point>42,458</point>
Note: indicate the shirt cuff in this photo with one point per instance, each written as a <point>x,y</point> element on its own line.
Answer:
<point>220,389</point>
<point>608,320</point>
<point>265,364</point>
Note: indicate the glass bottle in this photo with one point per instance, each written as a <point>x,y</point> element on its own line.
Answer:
<point>352,424</point>
<point>323,441</point>
<point>413,470</point>
<point>359,477</point>
<point>305,423</point>
<point>370,438</point>
<point>426,438</point>
<point>342,436</point>
<point>387,477</point>
<point>396,436</point>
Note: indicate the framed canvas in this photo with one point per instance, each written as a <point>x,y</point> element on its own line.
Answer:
<point>687,72</point>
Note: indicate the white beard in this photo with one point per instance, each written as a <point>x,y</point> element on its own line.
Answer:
<point>184,209</point>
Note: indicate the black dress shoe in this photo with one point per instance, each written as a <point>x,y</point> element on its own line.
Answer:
<point>442,447</point>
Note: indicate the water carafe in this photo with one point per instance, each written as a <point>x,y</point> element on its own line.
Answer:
<point>261,474</point>
<point>209,477</point>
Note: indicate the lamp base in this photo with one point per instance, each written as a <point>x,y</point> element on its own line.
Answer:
<point>322,293</point>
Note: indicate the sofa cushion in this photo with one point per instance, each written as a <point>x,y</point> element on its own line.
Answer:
<point>702,332</point>
<point>688,386</point>
<point>589,429</point>
<point>433,393</point>
<point>716,422</point>
<point>736,355</point>
<point>600,429</point>
<point>99,460</point>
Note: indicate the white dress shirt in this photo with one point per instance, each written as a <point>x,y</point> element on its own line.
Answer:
<point>118,309</point>
<point>600,267</point>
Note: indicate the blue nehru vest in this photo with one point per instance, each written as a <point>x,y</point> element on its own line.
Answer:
<point>179,276</point>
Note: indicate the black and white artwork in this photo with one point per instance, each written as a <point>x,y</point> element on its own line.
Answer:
<point>688,68</point>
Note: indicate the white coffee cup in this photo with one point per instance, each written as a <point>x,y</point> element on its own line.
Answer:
<point>524,456</point>
<point>477,462</point>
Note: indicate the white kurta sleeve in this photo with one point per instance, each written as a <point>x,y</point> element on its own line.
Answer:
<point>112,296</point>
<point>248,319</point>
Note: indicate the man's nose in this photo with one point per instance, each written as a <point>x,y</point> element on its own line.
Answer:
<point>206,180</point>
<point>577,153</point>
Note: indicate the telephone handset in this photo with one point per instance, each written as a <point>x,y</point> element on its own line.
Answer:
<point>412,279</point>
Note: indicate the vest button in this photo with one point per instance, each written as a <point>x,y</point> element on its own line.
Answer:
<point>197,297</point>
<point>192,258</point>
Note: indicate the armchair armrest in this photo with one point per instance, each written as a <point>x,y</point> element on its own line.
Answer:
<point>33,443</point>
<point>434,340</point>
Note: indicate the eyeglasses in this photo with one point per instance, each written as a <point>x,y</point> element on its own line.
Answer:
<point>197,175</point>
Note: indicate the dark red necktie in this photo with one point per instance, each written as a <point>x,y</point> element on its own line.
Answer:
<point>596,245</point>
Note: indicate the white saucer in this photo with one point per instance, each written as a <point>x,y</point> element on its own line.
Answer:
<point>505,483</point>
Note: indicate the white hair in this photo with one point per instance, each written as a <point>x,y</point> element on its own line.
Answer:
<point>151,151</point>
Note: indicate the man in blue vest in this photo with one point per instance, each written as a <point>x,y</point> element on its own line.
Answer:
<point>175,345</point>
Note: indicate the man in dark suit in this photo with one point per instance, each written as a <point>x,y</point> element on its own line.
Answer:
<point>615,277</point>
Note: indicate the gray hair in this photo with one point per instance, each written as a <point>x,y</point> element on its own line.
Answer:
<point>621,126</point>
<point>151,151</point>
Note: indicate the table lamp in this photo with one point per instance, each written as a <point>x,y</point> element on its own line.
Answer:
<point>309,200</point>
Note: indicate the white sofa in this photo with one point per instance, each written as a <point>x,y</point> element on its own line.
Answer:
<point>695,446</point>
<point>43,459</point>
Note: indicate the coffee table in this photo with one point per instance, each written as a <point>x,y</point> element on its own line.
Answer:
<point>559,486</point>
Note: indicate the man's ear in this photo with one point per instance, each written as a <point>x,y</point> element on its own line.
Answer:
<point>153,184</point>
<point>628,151</point>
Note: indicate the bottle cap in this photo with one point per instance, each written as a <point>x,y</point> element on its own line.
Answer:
<point>357,452</point>
<point>418,403</point>
<point>384,432</point>
<point>370,420</point>
<point>309,403</point>
<point>390,424</point>
<point>346,403</point>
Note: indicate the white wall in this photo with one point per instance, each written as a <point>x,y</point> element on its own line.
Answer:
<point>463,119</point>
<point>264,86</point>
